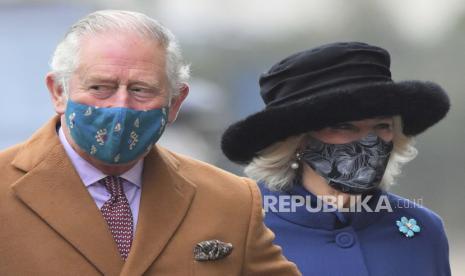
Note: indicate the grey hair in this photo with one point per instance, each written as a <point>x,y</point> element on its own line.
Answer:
<point>65,59</point>
<point>272,164</point>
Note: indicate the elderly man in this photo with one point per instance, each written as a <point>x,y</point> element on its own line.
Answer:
<point>90,193</point>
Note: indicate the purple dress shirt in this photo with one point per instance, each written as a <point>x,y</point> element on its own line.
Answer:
<point>90,176</point>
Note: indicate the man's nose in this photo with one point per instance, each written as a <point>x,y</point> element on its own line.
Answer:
<point>122,97</point>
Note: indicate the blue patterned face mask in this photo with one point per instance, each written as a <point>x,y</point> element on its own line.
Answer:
<point>355,167</point>
<point>114,135</point>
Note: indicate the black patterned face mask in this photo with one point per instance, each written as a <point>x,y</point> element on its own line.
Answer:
<point>353,168</point>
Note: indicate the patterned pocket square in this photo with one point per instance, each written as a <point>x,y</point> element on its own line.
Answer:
<point>212,250</point>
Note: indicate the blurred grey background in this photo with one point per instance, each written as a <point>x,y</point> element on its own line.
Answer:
<point>229,43</point>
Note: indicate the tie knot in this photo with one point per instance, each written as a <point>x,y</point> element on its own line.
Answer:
<point>114,185</point>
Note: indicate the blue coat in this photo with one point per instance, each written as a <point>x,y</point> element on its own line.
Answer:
<point>361,243</point>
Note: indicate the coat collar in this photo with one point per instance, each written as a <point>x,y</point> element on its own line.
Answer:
<point>323,220</point>
<point>53,190</point>
<point>165,200</point>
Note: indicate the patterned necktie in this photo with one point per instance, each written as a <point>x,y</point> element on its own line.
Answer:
<point>118,215</point>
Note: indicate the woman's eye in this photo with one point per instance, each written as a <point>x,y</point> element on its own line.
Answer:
<point>384,126</point>
<point>343,127</point>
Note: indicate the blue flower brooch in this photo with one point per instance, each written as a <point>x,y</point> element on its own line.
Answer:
<point>408,227</point>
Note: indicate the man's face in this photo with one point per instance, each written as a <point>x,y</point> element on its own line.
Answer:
<point>120,71</point>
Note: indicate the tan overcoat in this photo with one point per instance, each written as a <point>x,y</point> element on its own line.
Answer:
<point>50,225</point>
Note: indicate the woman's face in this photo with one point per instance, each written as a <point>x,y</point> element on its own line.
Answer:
<point>347,132</point>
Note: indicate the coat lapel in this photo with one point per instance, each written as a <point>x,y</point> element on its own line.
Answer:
<point>53,190</point>
<point>165,200</point>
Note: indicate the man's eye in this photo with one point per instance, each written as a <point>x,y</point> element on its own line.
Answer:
<point>143,92</point>
<point>97,87</point>
<point>138,89</point>
<point>101,88</point>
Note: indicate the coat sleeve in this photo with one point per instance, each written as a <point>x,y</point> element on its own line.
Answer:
<point>261,256</point>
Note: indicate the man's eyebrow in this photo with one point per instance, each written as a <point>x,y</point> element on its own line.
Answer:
<point>152,84</point>
<point>109,79</point>
<point>99,78</point>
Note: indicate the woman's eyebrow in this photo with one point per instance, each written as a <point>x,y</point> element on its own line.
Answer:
<point>383,117</point>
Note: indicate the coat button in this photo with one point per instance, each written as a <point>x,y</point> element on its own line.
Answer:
<point>345,239</point>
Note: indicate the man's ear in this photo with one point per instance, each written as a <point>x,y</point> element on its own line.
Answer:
<point>176,103</point>
<point>57,94</point>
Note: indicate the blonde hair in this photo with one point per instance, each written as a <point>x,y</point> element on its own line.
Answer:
<point>272,165</point>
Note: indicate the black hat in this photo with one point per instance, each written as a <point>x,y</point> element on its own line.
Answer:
<point>333,83</point>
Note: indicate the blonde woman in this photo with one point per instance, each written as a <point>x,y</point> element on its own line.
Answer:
<point>335,132</point>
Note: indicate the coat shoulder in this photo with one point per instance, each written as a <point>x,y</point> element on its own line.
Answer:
<point>208,178</point>
<point>432,239</point>
<point>9,172</point>
<point>409,208</point>
<point>7,155</point>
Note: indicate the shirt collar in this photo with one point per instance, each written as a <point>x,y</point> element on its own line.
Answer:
<point>90,174</point>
